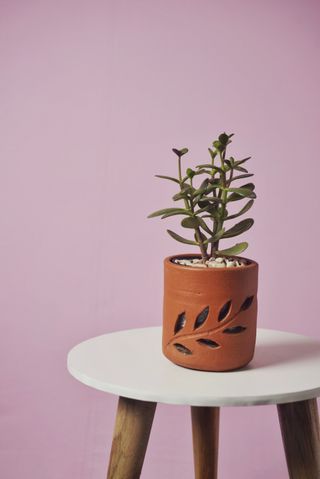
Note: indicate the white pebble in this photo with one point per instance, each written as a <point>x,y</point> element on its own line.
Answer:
<point>231,263</point>
<point>219,260</point>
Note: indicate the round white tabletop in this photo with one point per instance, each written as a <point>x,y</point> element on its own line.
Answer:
<point>285,368</point>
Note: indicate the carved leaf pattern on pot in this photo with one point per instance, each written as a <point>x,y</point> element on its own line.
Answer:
<point>180,323</point>
<point>201,318</point>
<point>201,336</point>
<point>234,330</point>
<point>246,303</point>
<point>224,311</point>
<point>208,342</point>
<point>182,349</point>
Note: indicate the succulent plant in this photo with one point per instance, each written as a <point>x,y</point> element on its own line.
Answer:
<point>205,206</point>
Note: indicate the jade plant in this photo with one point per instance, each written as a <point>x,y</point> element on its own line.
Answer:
<point>205,207</point>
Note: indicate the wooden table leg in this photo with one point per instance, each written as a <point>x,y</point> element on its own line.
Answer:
<point>130,438</point>
<point>205,434</point>
<point>299,422</point>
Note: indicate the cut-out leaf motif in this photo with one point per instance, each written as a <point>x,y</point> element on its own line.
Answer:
<point>201,318</point>
<point>180,323</point>
<point>234,330</point>
<point>182,349</point>
<point>247,303</point>
<point>224,311</point>
<point>208,342</point>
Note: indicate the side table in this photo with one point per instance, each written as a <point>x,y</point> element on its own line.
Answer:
<point>285,371</point>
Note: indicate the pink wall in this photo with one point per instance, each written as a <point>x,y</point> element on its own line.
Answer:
<point>93,96</point>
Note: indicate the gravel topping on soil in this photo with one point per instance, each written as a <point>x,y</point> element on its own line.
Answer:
<point>220,262</point>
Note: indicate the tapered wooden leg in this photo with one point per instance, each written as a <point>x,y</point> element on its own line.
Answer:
<point>130,439</point>
<point>299,422</point>
<point>205,434</point>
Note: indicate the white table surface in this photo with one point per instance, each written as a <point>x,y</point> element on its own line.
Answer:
<point>285,368</point>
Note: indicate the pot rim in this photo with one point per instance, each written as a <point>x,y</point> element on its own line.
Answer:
<point>168,262</point>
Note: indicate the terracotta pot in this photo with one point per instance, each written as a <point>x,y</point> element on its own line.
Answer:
<point>209,315</point>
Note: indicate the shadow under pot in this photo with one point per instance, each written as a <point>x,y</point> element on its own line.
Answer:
<point>209,315</point>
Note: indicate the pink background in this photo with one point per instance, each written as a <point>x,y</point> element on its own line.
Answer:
<point>93,96</point>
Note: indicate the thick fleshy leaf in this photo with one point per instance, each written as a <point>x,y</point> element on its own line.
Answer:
<point>240,168</point>
<point>207,165</point>
<point>182,349</point>
<point>216,237</point>
<point>180,323</point>
<point>236,196</point>
<point>211,199</point>
<point>234,250</point>
<point>180,238</point>
<point>168,178</point>
<point>246,208</point>
<point>213,154</point>
<point>181,152</point>
<point>176,213</point>
<point>204,225</point>
<point>186,190</point>
<point>208,342</point>
<point>224,138</point>
<point>190,222</point>
<point>168,211</point>
<point>249,186</point>
<point>240,191</point>
<point>190,173</point>
<point>239,228</point>
<point>239,177</point>
<point>240,162</point>
<point>201,318</point>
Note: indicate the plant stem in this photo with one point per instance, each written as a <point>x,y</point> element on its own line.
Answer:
<point>203,250</point>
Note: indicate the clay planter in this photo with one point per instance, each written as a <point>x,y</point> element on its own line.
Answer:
<point>209,315</point>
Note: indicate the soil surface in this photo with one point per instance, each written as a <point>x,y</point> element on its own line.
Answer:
<point>220,262</point>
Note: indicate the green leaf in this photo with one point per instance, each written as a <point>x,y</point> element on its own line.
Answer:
<point>235,196</point>
<point>190,173</point>
<point>168,178</point>
<point>223,139</point>
<point>203,189</point>
<point>168,211</point>
<point>207,165</point>
<point>190,222</point>
<point>239,228</point>
<point>228,162</point>
<point>213,199</point>
<point>240,168</point>
<point>181,152</point>
<point>202,205</point>
<point>175,213</point>
<point>218,145</point>
<point>216,237</point>
<point>234,250</point>
<point>246,175</point>
<point>201,171</point>
<point>246,208</point>
<point>240,162</point>
<point>204,225</point>
<point>180,238</point>
<point>240,193</point>
<point>186,190</point>
<point>213,154</point>
<point>249,186</point>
